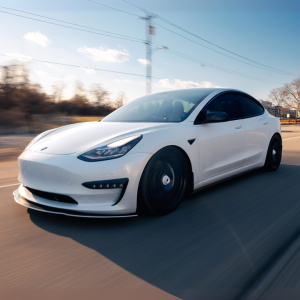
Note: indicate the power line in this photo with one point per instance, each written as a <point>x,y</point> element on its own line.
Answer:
<point>279,72</point>
<point>190,58</point>
<point>220,68</point>
<point>126,12</point>
<point>75,66</point>
<point>127,73</point>
<point>217,67</point>
<point>26,12</point>
<point>203,63</point>
<point>182,29</point>
<point>132,39</point>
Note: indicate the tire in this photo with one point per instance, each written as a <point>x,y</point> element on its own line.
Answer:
<point>274,154</point>
<point>163,183</point>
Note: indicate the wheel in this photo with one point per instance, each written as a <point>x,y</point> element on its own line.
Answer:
<point>163,183</point>
<point>274,154</point>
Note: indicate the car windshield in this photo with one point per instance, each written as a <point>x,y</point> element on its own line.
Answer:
<point>173,106</point>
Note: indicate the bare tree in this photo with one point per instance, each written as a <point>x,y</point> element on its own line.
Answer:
<point>14,78</point>
<point>121,99</point>
<point>80,94</point>
<point>100,95</point>
<point>278,98</point>
<point>24,103</point>
<point>58,91</point>
<point>292,91</point>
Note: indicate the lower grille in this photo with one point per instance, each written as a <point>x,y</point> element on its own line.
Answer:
<point>51,196</point>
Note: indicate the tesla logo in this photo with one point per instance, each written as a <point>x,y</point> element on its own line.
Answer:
<point>44,148</point>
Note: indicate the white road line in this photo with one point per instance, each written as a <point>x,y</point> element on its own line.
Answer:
<point>296,137</point>
<point>4,186</point>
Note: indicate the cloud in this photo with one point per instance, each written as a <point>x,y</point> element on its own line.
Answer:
<point>51,66</point>
<point>40,73</point>
<point>144,62</point>
<point>89,71</point>
<point>66,78</point>
<point>179,84</point>
<point>121,81</point>
<point>104,54</point>
<point>19,57</point>
<point>38,38</point>
<point>45,75</point>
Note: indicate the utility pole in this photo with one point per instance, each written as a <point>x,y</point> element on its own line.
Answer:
<point>149,49</point>
<point>149,33</point>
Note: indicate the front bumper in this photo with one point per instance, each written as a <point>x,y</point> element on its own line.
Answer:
<point>35,206</point>
<point>65,174</point>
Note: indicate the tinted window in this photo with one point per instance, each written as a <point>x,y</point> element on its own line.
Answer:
<point>249,107</point>
<point>225,103</point>
<point>162,107</point>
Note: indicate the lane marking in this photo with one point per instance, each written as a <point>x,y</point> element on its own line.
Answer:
<point>15,177</point>
<point>4,186</point>
<point>296,137</point>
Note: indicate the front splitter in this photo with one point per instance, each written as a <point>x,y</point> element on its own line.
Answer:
<point>52,210</point>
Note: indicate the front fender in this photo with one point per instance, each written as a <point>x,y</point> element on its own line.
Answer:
<point>179,136</point>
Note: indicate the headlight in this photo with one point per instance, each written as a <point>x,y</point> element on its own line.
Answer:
<point>40,136</point>
<point>111,151</point>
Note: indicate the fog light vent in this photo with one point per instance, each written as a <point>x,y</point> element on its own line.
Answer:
<point>106,184</point>
<point>109,184</point>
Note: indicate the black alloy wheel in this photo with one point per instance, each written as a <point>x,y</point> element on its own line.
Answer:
<point>164,182</point>
<point>274,154</point>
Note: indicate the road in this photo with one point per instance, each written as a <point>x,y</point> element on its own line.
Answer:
<point>222,241</point>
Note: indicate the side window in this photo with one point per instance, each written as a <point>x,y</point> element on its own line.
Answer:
<point>225,103</point>
<point>249,107</point>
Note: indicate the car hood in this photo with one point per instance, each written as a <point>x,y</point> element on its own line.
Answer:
<point>83,136</point>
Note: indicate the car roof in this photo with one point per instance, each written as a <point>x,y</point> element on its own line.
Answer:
<point>197,90</point>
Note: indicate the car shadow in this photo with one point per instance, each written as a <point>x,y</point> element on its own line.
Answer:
<point>221,239</point>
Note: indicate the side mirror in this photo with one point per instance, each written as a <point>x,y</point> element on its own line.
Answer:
<point>216,116</point>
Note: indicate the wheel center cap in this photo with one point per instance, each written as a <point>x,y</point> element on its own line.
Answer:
<point>166,179</point>
<point>274,152</point>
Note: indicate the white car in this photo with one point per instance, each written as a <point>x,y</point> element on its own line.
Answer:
<point>148,154</point>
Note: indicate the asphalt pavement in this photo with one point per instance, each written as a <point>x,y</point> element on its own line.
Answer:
<point>223,242</point>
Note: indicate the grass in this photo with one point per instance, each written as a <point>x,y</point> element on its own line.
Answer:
<point>66,120</point>
<point>41,123</point>
<point>289,122</point>
<point>86,119</point>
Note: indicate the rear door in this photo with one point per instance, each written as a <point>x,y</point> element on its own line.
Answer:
<point>256,127</point>
<point>221,145</point>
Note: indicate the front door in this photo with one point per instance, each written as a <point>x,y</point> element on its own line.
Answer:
<point>221,145</point>
<point>256,127</point>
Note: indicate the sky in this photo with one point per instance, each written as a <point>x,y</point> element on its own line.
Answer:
<point>264,31</point>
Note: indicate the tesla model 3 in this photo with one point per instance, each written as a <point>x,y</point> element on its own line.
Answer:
<point>149,154</point>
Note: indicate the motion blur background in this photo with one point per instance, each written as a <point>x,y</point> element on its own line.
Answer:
<point>70,61</point>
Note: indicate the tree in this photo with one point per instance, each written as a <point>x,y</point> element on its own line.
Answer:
<point>292,92</point>
<point>121,99</point>
<point>99,94</point>
<point>278,98</point>
<point>58,91</point>
<point>79,91</point>
<point>25,99</point>
<point>14,78</point>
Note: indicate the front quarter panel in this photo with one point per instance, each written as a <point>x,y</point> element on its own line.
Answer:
<point>178,135</point>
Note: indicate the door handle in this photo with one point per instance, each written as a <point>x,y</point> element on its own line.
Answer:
<point>239,127</point>
<point>266,123</point>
